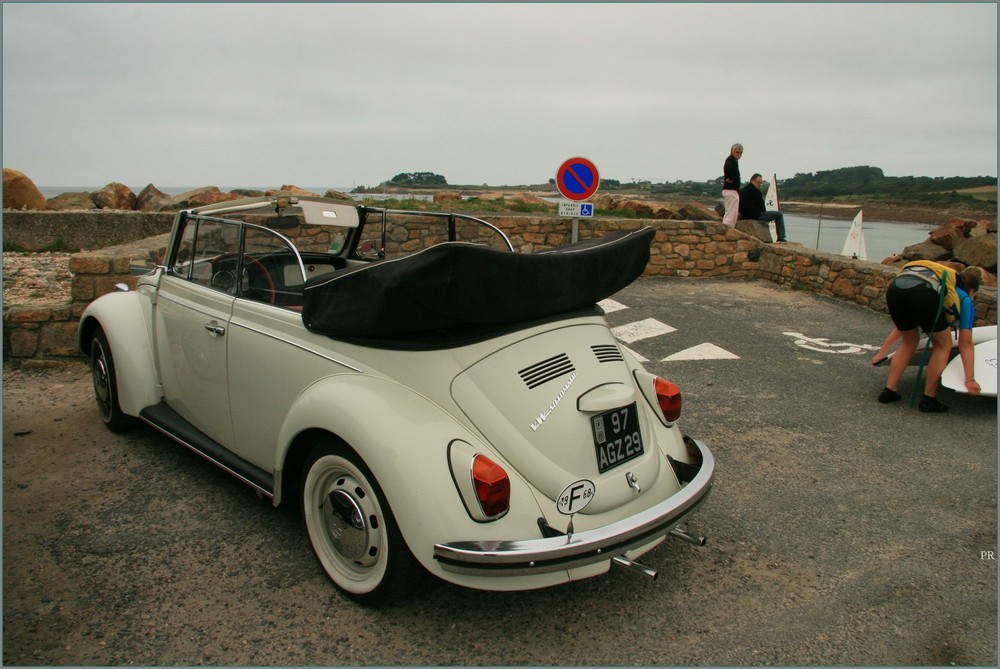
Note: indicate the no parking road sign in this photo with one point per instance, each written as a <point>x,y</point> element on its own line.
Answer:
<point>577,179</point>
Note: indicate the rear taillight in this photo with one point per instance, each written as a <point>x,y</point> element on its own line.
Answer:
<point>668,396</point>
<point>492,486</point>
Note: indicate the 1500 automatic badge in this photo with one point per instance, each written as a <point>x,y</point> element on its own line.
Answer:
<point>537,423</point>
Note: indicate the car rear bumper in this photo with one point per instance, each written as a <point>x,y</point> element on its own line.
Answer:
<point>538,556</point>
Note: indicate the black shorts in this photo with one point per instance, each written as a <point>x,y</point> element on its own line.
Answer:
<point>915,306</point>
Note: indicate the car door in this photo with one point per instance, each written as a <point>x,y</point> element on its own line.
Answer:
<point>192,314</point>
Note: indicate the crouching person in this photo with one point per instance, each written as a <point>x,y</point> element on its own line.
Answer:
<point>931,297</point>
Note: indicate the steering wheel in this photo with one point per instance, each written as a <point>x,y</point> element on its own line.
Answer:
<point>226,280</point>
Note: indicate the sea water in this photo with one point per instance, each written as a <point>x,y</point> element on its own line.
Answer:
<point>882,238</point>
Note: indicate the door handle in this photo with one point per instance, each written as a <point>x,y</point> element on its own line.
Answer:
<point>215,330</point>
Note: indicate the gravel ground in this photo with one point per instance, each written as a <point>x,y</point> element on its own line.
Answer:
<point>840,532</point>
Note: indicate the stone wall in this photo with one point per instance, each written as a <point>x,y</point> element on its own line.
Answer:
<point>688,249</point>
<point>76,230</point>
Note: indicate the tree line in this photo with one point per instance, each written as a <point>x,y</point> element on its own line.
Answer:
<point>860,180</point>
<point>865,180</point>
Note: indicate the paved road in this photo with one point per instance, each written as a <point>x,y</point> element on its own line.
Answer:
<point>841,531</point>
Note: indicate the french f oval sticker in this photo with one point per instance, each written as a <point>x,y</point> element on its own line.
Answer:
<point>575,497</point>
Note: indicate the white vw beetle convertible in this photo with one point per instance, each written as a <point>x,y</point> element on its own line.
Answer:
<point>432,399</point>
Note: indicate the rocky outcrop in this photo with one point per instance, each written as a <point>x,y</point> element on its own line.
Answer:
<point>115,196</point>
<point>152,198</point>
<point>20,192</point>
<point>951,232</point>
<point>337,195</point>
<point>757,229</point>
<point>71,202</point>
<point>290,190</point>
<point>697,212</point>
<point>690,211</point>
<point>199,197</point>
<point>925,250</point>
<point>958,243</point>
<point>977,252</point>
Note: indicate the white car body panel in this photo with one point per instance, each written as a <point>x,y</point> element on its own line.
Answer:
<point>130,312</point>
<point>192,360</point>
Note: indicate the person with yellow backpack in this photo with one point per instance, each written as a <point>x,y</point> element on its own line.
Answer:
<point>931,297</point>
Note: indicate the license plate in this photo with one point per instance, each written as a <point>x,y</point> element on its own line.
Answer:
<point>616,437</point>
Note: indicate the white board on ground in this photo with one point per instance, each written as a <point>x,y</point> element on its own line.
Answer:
<point>979,335</point>
<point>985,368</point>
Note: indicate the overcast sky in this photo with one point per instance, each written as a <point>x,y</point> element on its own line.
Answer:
<point>352,94</point>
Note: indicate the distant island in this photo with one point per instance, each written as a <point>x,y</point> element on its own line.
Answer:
<point>845,181</point>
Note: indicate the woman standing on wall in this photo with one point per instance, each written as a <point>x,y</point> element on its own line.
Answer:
<point>731,185</point>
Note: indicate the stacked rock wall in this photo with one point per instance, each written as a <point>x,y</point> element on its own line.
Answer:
<point>683,249</point>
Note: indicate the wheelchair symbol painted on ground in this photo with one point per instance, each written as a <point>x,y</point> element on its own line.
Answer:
<point>824,345</point>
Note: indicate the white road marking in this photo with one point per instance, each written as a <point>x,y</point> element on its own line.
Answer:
<point>824,345</point>
<point>631,332</point>
<point>704,351</point>
<point>650,327</point>
<point>610,305</point>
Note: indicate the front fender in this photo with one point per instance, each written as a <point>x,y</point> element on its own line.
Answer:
<point>403,438</point>
<point>125,319</point>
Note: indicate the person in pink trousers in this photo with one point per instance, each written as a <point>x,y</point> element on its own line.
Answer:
<point>731,185</point>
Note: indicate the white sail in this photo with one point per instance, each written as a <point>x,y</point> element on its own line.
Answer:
<point>771,197</point>
<point>854,245</point>
<point>771,203</point>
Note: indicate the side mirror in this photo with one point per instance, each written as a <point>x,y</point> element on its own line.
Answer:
<point>141,266</point>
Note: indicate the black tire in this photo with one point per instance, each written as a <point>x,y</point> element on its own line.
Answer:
<point>102,368</point>
<point>352,529</point>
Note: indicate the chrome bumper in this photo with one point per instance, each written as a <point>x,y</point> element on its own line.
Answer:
<point>538,556</point>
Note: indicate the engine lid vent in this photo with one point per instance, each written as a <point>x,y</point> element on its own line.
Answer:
<point>607,353</point>
<point>546,370</point>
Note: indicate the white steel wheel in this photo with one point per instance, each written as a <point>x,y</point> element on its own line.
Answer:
<point>351,528</point>
<point>102,369</point>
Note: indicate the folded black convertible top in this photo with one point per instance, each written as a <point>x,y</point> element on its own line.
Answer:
<point>456,286</point>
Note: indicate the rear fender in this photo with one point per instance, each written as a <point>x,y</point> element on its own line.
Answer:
<point>125,319</point>
<point>404,439</point>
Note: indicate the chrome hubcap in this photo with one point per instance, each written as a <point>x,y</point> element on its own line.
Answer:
<point>345,525</point>
<point>102,385</point>
<point>350,524</point>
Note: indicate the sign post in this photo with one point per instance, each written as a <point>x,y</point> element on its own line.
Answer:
<point>577,180</point>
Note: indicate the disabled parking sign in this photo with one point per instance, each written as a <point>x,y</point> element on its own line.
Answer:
<point>577,179</point>
<point>581,209</point>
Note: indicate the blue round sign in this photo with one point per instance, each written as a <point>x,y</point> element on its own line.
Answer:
<point>577,179</point>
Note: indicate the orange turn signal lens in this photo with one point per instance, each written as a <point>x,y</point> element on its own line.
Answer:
<point>668,395</point>
<point>492,486</point>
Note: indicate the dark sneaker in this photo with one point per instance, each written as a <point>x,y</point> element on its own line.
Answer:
<point>931,405</point>
<point>889,396</point>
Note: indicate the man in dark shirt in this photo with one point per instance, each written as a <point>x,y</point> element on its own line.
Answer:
<point>752,206</point>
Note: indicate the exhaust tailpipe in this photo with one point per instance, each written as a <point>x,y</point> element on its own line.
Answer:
<point>697,540</point>
<point>635,567</point>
